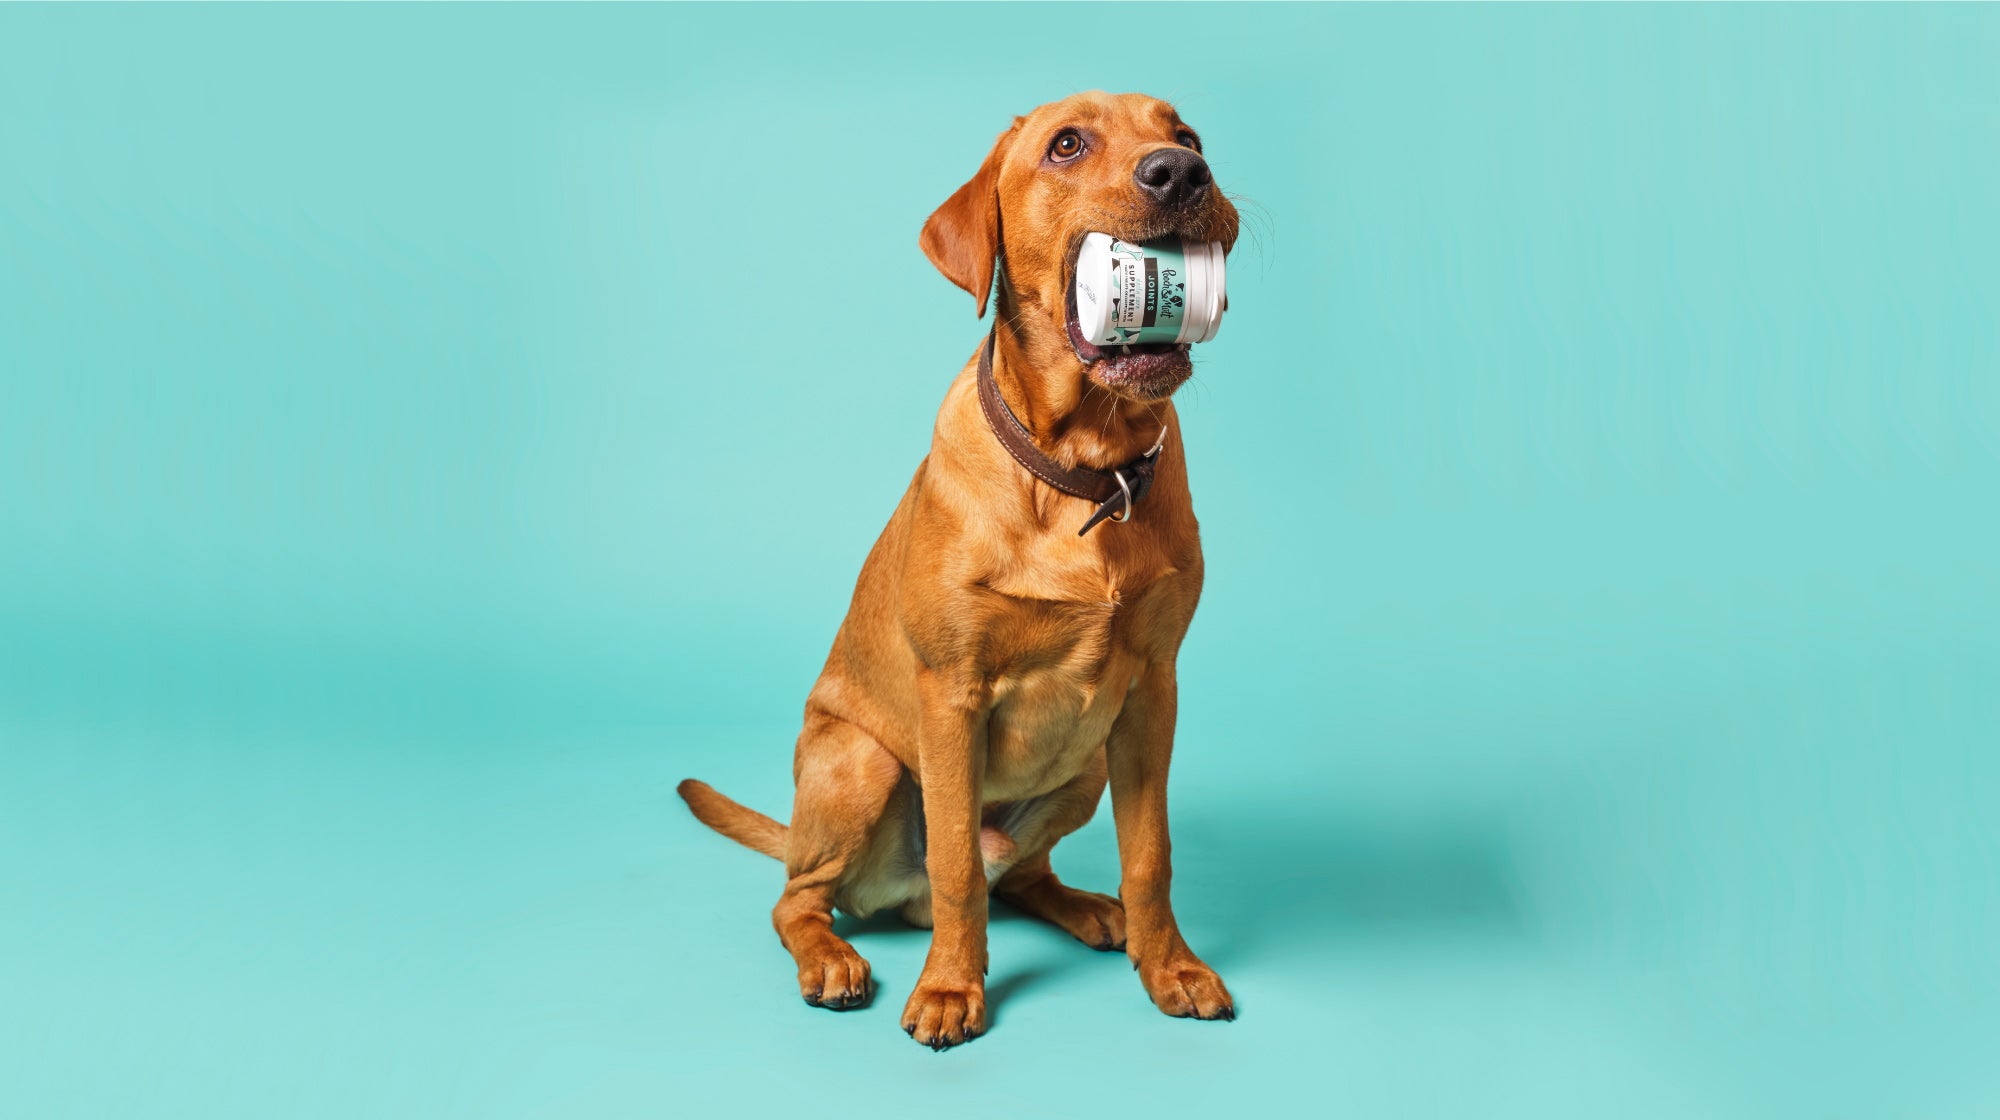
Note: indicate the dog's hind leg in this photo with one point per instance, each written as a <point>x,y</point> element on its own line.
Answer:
<point>844,781</point>
<point>1031,886</point>
<point>1097,920</point>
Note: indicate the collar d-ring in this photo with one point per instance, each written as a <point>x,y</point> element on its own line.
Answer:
<point>1124,489</point>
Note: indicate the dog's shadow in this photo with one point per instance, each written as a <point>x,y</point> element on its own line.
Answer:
<point>1272,880</point>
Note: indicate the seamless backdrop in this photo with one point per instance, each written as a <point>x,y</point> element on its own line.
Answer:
<point>427,434</point>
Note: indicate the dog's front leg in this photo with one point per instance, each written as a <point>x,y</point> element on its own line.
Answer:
<point>949,1004</point>
<point>1141,743</point>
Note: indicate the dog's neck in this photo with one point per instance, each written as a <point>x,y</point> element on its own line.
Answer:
<point>1074,420</point>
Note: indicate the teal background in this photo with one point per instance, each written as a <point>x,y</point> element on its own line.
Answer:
<point>414,458</point>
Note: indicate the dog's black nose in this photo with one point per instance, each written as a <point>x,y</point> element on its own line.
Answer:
<point>1174,177</point>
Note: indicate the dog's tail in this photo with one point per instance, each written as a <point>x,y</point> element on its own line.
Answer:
<point>747,827</point>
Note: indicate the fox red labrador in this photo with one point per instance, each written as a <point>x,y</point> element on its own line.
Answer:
<point>997,666</point>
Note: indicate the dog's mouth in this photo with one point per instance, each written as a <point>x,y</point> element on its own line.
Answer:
<point>1147,371</point>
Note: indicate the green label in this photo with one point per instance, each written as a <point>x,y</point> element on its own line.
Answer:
<point>1148,292</point>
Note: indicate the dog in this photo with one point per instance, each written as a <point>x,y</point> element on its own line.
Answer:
<point>997,667</point>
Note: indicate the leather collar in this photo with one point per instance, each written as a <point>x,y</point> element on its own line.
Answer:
<point>1114,491</point>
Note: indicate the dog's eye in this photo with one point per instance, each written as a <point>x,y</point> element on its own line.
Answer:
<point>1066,146</point>
<point>1187,139</point>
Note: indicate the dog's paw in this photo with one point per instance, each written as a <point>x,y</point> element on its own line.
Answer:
<point>943,1014</point>
<point>1097,920</point>
<point>1187,989</point>
<point>836,979</point>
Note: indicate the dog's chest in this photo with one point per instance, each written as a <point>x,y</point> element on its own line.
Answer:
<point>1063,669</point>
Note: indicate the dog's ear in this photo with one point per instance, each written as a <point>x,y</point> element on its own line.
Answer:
<point>962,237</point>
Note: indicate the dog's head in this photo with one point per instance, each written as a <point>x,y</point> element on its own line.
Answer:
<point>1122,164</point>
